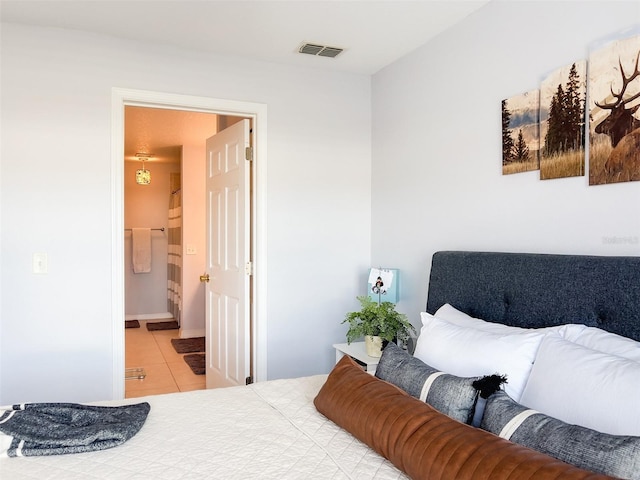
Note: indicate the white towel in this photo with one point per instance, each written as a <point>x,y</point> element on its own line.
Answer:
<point>141,250</point>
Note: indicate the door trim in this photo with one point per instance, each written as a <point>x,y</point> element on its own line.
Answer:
<point>121,97</point>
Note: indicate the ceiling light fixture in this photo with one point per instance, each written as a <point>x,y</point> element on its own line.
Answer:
<point>143,176</point>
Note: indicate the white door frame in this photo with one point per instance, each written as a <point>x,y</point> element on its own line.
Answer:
<point>120,97</point>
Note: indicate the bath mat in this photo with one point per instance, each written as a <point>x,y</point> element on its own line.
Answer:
<point>172,325</point>
<point>131,324</point>
<point>195,362</point>
<point>188,345</point>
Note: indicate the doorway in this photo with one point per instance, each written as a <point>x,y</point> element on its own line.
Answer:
<point>164,246</point>
<point>257,114</point>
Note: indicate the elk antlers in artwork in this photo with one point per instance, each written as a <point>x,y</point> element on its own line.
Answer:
<point>620,121</point>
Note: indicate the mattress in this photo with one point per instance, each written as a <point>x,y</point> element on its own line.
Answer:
<point>268,430</point>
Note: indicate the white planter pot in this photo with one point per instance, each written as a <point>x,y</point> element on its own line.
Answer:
<point>373,345</point>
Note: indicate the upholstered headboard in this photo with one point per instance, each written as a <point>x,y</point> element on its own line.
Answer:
<point>539,290</point>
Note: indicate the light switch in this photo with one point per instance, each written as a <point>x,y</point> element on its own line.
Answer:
<point>40,263</point>
<point>191,249</point>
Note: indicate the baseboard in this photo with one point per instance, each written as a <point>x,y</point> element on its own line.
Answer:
<point>197,332</point>
<point>149,316</point>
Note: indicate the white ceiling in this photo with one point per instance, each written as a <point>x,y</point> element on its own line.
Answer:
<point>374,33</point>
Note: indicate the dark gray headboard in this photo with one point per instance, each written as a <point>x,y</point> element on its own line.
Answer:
<point>539,290</point>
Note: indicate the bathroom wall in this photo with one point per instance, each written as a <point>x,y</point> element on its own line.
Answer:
<point>193,239</point>
<point>147,206</point>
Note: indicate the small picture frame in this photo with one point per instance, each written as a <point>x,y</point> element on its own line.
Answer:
<point>382,285</point>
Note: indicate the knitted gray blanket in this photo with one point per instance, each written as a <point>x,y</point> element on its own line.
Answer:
<point>60,428</point>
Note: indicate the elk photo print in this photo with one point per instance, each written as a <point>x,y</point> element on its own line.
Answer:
<point>562,122</point>
<point>520,137</point>
<point>614,119</point>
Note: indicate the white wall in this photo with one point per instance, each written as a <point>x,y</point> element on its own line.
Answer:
<point>56,329</point>
<point>437,182</point>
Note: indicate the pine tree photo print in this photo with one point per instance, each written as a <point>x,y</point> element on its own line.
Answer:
<point>562,122</point>
<point>520,133</point>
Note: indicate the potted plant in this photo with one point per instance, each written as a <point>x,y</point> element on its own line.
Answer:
<point>377,321</point>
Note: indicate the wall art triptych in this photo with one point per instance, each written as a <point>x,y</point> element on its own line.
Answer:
<point>575,112</point>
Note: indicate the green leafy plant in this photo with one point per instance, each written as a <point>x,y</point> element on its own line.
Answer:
<point>378,319</point>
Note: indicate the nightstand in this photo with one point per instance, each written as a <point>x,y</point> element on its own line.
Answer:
<point>357,351</point>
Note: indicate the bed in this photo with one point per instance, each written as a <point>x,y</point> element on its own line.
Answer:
<point>352,425</point>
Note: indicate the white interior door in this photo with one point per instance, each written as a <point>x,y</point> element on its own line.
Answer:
<point>228,256</point>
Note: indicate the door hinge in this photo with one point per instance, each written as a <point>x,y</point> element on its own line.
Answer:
<point>248,380</point>
<point>248,268</point>
<point>248,153</point>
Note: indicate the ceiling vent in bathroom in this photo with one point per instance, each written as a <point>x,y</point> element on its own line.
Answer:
<point>320,50</point>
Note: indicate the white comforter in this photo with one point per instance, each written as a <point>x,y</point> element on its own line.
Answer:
<point>267,430</point>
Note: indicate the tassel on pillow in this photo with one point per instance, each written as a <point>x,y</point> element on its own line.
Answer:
<point>487,386</point>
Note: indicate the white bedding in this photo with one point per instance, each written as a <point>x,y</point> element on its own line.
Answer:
<point>267,430</point>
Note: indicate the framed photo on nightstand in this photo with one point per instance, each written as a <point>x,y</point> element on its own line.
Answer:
<point>382,285</point>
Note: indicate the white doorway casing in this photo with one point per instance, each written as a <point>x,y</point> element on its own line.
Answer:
<point>258,113</point>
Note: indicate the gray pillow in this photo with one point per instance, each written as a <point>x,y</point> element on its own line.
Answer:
<point>451,395</point>
<point>615,455</point>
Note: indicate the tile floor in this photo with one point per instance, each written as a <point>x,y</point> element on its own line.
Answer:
<point>166,370</point>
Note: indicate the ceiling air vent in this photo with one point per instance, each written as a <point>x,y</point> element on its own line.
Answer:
<point>320,50</point>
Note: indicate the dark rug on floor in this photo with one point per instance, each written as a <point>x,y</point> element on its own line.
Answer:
<point>172,325</point>
<point>131,324</point>
<point>188,345</point>
<point>195,362</point>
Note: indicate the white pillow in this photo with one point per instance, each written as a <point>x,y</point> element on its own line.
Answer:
<point>467,352</point>
<point>603,341</point>
<point>579,385</point>
<point>591,337</point>
<point>455,316</point>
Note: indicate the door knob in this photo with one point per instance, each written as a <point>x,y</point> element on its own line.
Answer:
<point>204,278</point>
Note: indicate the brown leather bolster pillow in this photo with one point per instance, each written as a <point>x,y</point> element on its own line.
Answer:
<point>424,443</point>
